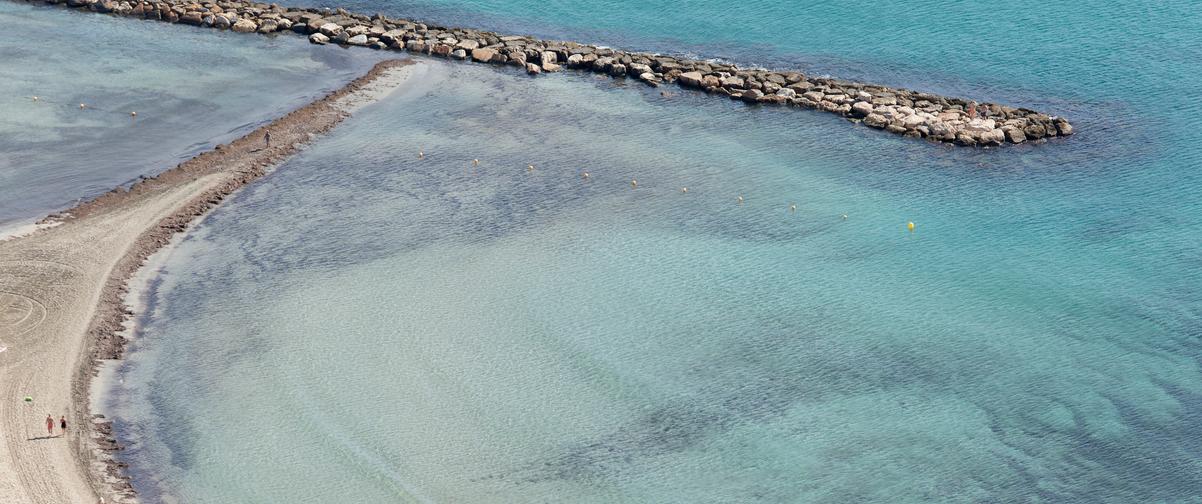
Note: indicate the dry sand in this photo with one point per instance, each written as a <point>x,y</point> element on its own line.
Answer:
<point>61,291</point>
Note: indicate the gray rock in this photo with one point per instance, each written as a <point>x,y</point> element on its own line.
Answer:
<point>192,18</point>
<point>690,79</point>
<point>617,70</point>
<point>459,54</point>
<point>483,55</point>
<point>876,121</point>
<point>752,95</point>
<point>533,69</point>
<point>786,92</point>
<point>330,29</point>
<point>861,109</point>
<point>359,40</point>
<point>993,137</point>
<point>244,26</point>
<point>649,78</point>
<point>732,82</point>
<point>885,100</point>
<point>319,38</point>
<point>1016,135</point>
<point>468,45</point>
<point>551,67</point>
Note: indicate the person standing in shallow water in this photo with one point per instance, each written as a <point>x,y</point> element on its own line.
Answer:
<point>62,422</point>
<point>267,138</point>
<point>49,425</point>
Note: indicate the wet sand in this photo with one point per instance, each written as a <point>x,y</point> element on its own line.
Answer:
<point>62,289</point>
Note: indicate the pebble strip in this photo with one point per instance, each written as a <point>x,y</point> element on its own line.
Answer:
<point>905,112</point>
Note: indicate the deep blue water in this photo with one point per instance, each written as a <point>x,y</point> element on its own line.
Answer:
<point>366,326</point>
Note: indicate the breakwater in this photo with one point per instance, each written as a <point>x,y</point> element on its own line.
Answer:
<point>901,111</point>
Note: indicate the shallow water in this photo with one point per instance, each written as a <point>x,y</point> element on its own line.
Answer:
<point>364,326</point>
<point>191,89</point>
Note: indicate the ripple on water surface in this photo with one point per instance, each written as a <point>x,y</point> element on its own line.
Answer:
<point>192,88</point>
<point>367,326</point>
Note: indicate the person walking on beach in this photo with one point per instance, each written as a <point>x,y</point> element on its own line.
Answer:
<point>49,425</point>
<point>267,138</point>
<point>62,422</point>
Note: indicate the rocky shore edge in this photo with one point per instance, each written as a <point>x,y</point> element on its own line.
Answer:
<point>901,111</point>
<point>245,160</point>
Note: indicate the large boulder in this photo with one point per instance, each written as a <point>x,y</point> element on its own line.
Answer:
<point>1064,127</point>
<point>533,69</point>
<point>359,40</point>
<point>885,100</point>
<point>993,137</point>
<point>980,125</point>
<point>222,22</point>
<point>318,38</point>
<point>690,79</point>
<point>861,109</point>
<point>330,29</point>
<point>876,121</point>
<point>244,26</point>
<point>483,55</point>
<point>752,95</point>
<point>468,45</point>
<point>733,82</point>
<point>649,78</point>
<point>192,18</point>
<point>1016,135</point>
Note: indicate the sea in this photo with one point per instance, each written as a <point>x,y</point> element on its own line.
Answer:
<point>752,321</point>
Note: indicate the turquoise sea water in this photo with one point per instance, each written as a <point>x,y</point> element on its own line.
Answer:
<point>364,326</point>
<point>191,88</point>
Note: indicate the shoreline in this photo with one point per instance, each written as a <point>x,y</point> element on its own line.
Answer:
<point>905,112</point>
<point>64,287</point>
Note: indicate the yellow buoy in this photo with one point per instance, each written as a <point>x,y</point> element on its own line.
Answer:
<point>910,226</point>
<point>684,189</point>
<point>634,183</point>
<point>740,199</point>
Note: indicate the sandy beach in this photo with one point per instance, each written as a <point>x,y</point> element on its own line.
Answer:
<point>61,291</point>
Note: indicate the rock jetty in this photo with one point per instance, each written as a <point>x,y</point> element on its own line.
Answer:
<point>901,111</point>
